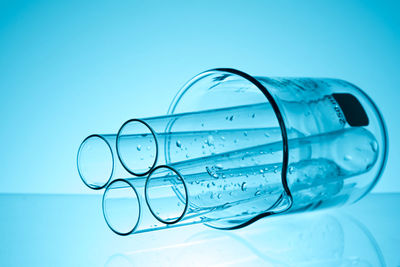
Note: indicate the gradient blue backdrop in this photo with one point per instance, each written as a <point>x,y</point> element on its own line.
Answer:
<point>72,68</point>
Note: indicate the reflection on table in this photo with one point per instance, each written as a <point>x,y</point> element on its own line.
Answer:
<point>69,230</point>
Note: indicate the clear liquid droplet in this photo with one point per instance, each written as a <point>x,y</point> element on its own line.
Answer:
<point>291,169</point>
<point>243,186</point>
<point>178,144</point>
<point>374,146</point>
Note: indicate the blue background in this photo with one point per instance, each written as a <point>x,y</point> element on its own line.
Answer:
<point>72,68</point>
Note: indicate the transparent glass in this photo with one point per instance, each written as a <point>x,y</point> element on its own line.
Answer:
<point>144,143</point>
<point>97,161</point>
<point>125,210</point>
<point>309,107</point>
<point>180,192</point>
<point>320,239</point>
<point>328,148</point>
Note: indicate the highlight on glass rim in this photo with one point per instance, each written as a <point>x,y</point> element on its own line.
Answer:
<point>234,148</point>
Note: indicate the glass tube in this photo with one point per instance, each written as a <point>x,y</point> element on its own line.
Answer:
<point>97,161</point>
<point>143,143</point>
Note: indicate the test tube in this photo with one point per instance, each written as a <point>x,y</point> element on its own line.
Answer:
<point>144,143</point>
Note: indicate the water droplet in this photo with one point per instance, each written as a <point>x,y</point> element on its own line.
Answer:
<point>208,185</point>
<point>139,147</point>
<point>261,171</point>
<point>219,196</point>
<point>276,169</point>
<point>197,182</point>
<point>245,133</point>
<point>202,124</point>
<point>243,186</point>
<point>187,156</point>
<point>178,144</point>
<point>210,140</point>
<point>212,195</point>
<point>231,118</point>
<point>211,172</point>
<point>253,115</point>
<point>291,169</point>
<point>148,147</point>
<point>374,146</point>
<point>230,193</point>
<point>235,141</point>
<point>266,134</point>
<point>223,138</point>
<point>213,183</point>
<point>257,193</point>
<point>348,158</point>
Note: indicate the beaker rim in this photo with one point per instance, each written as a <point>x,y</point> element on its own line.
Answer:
<point>279,116</point>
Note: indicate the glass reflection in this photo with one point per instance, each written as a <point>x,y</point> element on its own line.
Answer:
<point>315,239</point>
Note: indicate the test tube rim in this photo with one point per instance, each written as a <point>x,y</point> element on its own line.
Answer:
<point>77,162</point>
<point>153,133</point>
<point>184,186</point>
<point>138,202</point>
